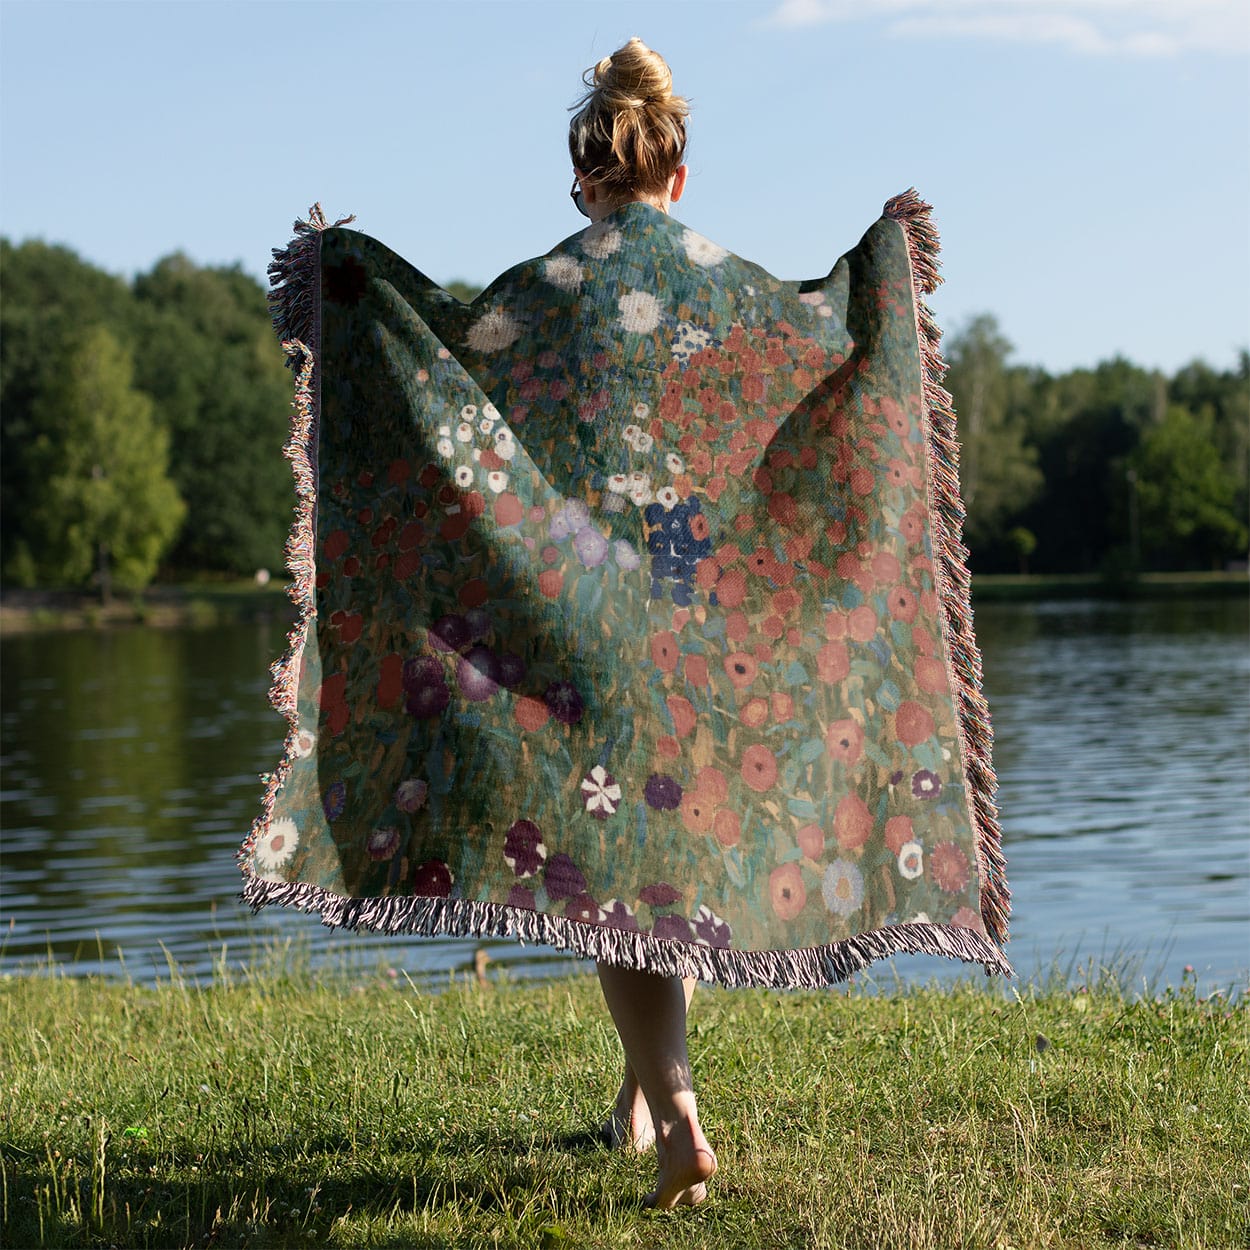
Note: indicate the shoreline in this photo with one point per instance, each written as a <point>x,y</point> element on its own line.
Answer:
<point>205,604</point>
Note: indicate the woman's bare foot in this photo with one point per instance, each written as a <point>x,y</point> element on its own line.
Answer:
<point>686,1165</point>
<point>629,1126</point>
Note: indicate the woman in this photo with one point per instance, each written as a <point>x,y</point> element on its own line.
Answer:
<point>634,616</point>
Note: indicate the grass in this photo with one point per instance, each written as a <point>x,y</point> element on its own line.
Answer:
<point>288,1109</point>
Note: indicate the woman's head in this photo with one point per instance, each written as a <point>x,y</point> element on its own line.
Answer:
<point>628,135</point>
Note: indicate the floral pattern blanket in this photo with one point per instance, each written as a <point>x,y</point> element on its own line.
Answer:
<point>634,616</point>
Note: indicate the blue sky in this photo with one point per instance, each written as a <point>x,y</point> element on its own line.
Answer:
<point>1088,160</point>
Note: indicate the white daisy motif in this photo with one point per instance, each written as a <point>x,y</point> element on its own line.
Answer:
<point>490,412</point>
<point>630,434</point>
<point>493,332</point>
<point>618,483</point>
<point>444,431</point>
<point>464,432</point>
<point>600,792</point>
<point>673,462</point>
<point>477,454</point>
<point>275,847</point>
<point>303,745</point>
<point>445,448</point>
<point>601,240</point>
<point>644,442</point>
<point>842,887</point>
<point>505,444</point>
<point>641,411</point>
<point>497,480</point>
<point>667,498</point>
<point>468,412</point>
<point>464,477</point>
<point>486,425</point>
<point>910,860</point>
<point>702,251</point>
<point>563,271</point>
<point>640,312</point>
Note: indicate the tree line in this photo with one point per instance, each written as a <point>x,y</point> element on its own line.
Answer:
<point>142,424</point>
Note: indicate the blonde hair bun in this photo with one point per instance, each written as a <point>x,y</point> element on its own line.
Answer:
<point>629,132</point>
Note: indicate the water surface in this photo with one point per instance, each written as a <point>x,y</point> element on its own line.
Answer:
<point>131,759</point>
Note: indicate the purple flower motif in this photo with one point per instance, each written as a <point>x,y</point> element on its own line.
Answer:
<point>523,849</point>
<point>383,842</point>
<point>662,792</point>
<point>449,633</point>
<point>582,907</point>
<point>711,929</point>
<point>626,557</point>
<point>926,785</point>
<point>616,915</point>
<point>410,795</point>
<point>478,674</point>
<point>334,800</point>
<point>563,878</point>
<point>479,623</point>
<point>425,686</point>
<point>511,670</point>
<point>660,895</point>
<point>591,547</point>
<point>432,879</point>
<point>673,928</point>
<point>564,702</point>
<point>574,516</point>
<point>896,777</point>
<point>519,896</point>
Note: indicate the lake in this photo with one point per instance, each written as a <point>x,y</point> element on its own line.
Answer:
<point>130,774</point>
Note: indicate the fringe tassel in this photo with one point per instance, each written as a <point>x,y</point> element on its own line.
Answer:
<point>295,303</point>
<point>950,560</point>
<point>811,968</point>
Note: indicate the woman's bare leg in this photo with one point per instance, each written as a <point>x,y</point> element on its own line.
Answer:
<point>629,1126</point>
<point>650,1015</point>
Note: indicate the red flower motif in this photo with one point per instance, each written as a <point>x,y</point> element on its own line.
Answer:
<point>759,768</point>
<point>787,891</point>
<point>912,723</point>
<point>845,741</point>
<point>948,866</point>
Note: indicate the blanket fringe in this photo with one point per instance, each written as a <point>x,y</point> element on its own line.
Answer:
<point>950,560</point>
<point>810,968</point>
<point>295,304</point>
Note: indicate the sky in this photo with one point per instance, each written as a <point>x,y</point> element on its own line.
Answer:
<point>1088,160</point>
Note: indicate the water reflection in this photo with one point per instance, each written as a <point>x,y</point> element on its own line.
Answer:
<point>131,760</point>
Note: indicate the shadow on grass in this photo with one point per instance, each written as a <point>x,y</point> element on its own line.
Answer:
<point>250,1198</point>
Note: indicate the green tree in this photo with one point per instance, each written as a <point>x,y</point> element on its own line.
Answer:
<point>208,357</point>
<point>105,505</point>
<point>51,296</point>
<point>1185,495</point>
<point>1085,424</point>
<point>997,467</point>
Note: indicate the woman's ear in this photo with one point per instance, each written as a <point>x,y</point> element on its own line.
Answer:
<point>678,184</point>
<point>588,186</point>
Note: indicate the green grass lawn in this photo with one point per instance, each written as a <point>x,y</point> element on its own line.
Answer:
<point>287,1110</point>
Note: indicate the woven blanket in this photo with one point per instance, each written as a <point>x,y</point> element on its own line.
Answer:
<point>634,618</point>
